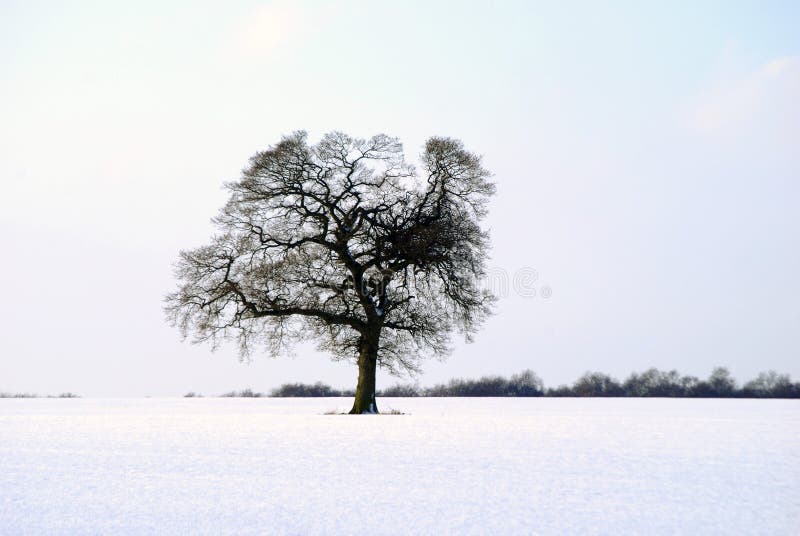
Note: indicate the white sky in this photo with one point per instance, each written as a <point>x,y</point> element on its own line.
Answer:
<point>647,162</point>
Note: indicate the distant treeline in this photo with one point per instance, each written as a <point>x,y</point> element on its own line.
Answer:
<point>33,395</point>
<point>650,383</point>
<point>318,389</point>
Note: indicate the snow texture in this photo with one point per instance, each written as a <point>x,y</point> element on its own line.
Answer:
<point>465,466</point>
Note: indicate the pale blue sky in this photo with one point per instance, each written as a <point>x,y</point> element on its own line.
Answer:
<point>646,156</point>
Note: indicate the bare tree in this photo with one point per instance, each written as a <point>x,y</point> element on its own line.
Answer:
<point>346,244</point>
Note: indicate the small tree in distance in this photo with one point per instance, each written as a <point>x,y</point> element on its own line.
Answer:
<point>346,244</point>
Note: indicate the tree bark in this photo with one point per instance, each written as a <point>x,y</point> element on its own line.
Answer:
<point>367,365</point>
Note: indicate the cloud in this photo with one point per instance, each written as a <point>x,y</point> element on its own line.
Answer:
<point>766,100</point>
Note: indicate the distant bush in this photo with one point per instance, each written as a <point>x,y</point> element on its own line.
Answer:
<point>719,385</point>
<point>771,385</point>
<point>526,383</point>
<point>561,390</point>
<point>596,384</point>
<point>318,389</point>
<point>192,394</point>
<point>485,386</point>
<point>654,382</point>
<point>245,393</point>
<point>400,390</point>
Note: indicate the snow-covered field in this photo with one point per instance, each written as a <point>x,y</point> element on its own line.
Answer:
<point>482,466</point>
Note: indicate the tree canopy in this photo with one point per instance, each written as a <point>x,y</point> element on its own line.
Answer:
<point>345,243</point>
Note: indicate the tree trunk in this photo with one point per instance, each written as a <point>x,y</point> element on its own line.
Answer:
<point>367,364</point>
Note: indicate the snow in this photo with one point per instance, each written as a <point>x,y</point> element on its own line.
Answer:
<point>472,466</point>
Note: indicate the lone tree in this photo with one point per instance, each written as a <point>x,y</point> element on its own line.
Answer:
<point>346,244</point>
